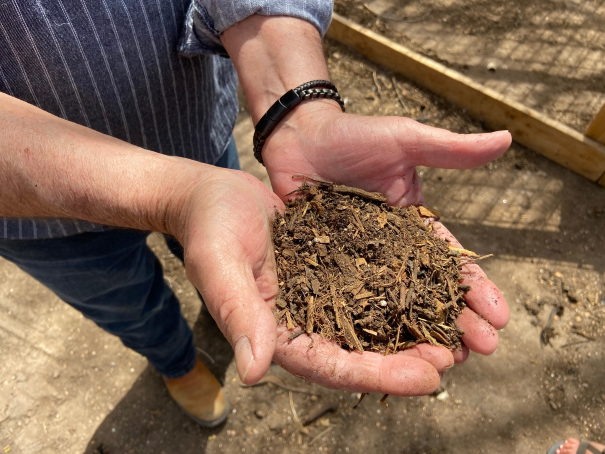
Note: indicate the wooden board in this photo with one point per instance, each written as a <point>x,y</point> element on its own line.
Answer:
<point>596,129</point>
<point>554,140</point>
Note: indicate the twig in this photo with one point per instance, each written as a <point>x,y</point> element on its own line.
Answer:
<point>294,414</point>
<point>359,401</point>
<point>548,331</point>
<point>172,283</point>
<point>292,192</point>
<point>359,223</point>
<point>288,386</point>
<point>342,189</point>
<point>295,335</point>
<point>206,355</point>
<point>403,104</point>
<point>376,83</point>
<point>571,344</point>
<point>321,434</point>
<point>579,332</point>
<point>305,210</point>
<point>382,401</point>
<point>434,323</point>
<point>317,412</point>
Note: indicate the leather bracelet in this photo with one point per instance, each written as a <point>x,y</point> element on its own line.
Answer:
<point>286,103</point>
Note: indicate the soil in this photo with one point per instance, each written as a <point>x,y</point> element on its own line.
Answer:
<point>364,275</point>
<point>546,54</point>
<point>66,386</point>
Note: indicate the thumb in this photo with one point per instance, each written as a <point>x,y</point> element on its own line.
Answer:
<point>246,320</point>
<point>434,147</point>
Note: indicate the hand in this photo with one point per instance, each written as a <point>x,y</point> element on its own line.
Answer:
<point>275,54</point>
<point>225,229</point>
<point>380,154</point>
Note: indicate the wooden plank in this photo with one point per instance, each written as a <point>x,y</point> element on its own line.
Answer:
<point>596,129</point>
<point>554,140</point>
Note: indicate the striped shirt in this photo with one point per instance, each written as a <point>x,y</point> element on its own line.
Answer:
<point>149,72</point>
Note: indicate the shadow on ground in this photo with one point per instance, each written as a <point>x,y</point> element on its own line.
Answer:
<point>148,421</point>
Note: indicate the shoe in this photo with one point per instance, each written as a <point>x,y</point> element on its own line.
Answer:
<point>200,396</point>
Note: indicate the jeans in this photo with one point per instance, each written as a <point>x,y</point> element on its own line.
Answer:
<point>115,280</point>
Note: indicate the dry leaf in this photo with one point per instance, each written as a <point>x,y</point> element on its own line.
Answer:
<point>382,219</point>
<point>428,212</point>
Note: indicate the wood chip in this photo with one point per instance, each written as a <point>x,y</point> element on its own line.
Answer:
<point>361,262</point>
<point>310,315</point>
<point>365,275</point>
<point>364,295</point>
<point>289,323</point>
<point>461,251</point>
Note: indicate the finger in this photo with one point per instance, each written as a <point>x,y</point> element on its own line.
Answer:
<point>439,357</point>
<point>484,297</point>
<point>239,297</point>
<point>460,354</point>
<point>246,320</point>
<point>444,149</point>
<point>479,336</point>
<point>327,364</point>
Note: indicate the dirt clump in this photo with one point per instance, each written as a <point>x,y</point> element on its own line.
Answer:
<point>368,276</point>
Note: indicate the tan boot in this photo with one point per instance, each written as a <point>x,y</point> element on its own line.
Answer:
<point>200,395</point>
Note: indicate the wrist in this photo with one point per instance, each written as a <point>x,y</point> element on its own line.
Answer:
<point>300,129</point>
<point>189,180</point>
<point>212,195</point>
<point>273,55</point>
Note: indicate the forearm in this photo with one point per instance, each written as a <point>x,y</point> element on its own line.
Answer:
<point>51,167</point>
<point>273,55</point>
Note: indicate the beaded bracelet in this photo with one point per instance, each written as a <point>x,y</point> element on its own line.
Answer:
<point>286,103</point>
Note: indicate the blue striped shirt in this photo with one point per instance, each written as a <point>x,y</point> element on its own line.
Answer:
<point>149,72</point>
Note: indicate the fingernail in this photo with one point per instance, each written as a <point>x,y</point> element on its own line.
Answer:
<point>243,357</point>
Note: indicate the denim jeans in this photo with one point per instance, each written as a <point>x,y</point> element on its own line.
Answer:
<point>115,280</point>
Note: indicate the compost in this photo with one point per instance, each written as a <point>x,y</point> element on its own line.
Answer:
<point>366,275</point>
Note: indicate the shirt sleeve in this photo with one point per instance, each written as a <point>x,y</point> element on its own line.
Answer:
<point>207,19</point>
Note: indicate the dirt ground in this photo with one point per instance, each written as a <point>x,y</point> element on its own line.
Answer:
<point>66,386</point>
<point>546,54</point>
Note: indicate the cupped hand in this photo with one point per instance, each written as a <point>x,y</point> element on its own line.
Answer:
<point>380,154</point>
<point>229,257</point>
